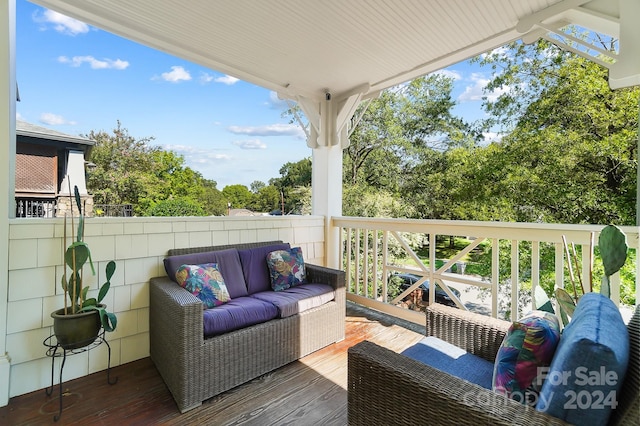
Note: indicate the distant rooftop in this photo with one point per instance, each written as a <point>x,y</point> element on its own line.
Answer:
<point>33,131</point>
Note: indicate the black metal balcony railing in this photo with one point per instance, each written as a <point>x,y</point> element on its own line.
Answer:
<point>113,210</point>
<point>35,207</point>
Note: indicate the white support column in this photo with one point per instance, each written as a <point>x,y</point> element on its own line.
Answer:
<point>7,176</point>
<point>326,196</point>
<point>328,135</point>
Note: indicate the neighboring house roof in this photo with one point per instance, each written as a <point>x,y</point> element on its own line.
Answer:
<point>243,212</point>
<point>33,131</point>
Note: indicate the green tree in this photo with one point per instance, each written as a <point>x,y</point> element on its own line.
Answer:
<point>256,186</point>
<point>292,176</point>
<point>180,206</point>
<point>238,195</point>
<point>130,171</point>
<point>399,144</point>
<point>121,175</point>
<point>266,199</point>
<point>571,154</point>
<point>213,201</point>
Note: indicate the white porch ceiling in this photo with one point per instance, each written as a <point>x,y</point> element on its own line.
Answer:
<point>309,47</point>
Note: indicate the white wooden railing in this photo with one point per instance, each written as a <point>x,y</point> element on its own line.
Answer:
<point>366,257</point>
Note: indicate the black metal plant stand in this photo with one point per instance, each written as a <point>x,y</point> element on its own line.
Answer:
<point>56,351</point>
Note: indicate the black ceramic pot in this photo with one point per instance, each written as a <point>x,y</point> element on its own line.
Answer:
<point>75,331</point>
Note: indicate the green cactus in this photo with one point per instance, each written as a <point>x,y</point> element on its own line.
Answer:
<point>612,243</point>
<point>613,250</point>
<point>76,256</point>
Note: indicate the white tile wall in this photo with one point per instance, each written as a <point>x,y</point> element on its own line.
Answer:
<point>138,246</point>
<point>134,347</point>
<point>23,254</point>
<point>23,315</point>
<point>199,239</point>
<point>27,283</point>
<point>49,252</point>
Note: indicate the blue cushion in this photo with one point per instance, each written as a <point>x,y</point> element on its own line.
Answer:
<point>297,299</point>
<point>452,360</point>
<point>254,266</point>
<point>228,263</point>
<point>236,314</point>
<point>587,371</point>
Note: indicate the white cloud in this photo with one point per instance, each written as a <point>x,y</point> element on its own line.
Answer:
<point>195,155</point>
<point>53,119</point>
<point>276,103</point>
<point>19,117</point>
<point>452,74</point>
<point>60,23</point>
<point>268,130</point>
<point>94,63</point>
<point>502,50</point>
<point>176,74</point>
<point>492,137</point>
<point>226,79</point>
<point>250,144</point>
<point>475,91</point>
<point>206,78</point>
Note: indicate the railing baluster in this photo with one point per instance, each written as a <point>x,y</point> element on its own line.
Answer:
<point>375,263</point>
<point>365,273</point>
<point>559,265</point>
<point>349,261</point>
<point>357,261</point>
<point>515,279</point>
<point>535,271</point>
<point>385,262</point>
<point>495,275</point>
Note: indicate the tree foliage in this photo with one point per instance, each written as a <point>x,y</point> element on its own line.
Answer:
<point>571,155</point>
<point>156,182</point>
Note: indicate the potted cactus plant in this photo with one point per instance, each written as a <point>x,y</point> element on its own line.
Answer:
<point>612,243</point>
<point>78,323</point>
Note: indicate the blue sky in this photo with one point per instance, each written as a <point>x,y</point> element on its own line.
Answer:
<point>75,78</point>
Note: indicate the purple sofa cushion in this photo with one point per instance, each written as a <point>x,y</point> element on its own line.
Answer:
<point>254,266</point>
<point>228,263</point>
<point>236,314</point>
<point>297,299</point>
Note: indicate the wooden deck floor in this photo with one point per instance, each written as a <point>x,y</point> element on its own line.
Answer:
<point>311,391</point>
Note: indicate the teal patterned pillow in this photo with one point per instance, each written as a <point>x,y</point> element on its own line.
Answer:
<point>286,268</point>
<point>205,282</point>
<point>530,343</point>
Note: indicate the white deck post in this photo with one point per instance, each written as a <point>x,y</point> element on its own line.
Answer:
<point>329,120</point>
<point>7,177</point>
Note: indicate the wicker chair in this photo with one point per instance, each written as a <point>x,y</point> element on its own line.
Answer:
<point>388,388</point>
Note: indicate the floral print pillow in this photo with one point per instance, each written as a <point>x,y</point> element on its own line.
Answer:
<point>286,268</point>
<point>205,282</point>
<point>530,343</point>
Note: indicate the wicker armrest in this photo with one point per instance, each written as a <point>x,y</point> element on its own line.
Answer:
<point>320,274</point>
<point>477,334</point>
<point>175,314</point>
<point>388,388</point>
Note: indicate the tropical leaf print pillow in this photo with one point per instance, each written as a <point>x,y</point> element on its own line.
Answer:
<point>286,268</point>
<point>530,343</point>
<point>205,282</point>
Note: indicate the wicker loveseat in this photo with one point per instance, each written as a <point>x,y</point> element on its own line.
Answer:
<point>196,368</point>
<point>389,388</point>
